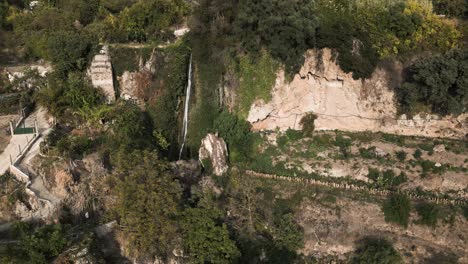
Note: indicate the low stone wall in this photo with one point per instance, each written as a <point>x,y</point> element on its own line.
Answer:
<point>353,187</point>
<point>25,178</point>
<point>19,175</point>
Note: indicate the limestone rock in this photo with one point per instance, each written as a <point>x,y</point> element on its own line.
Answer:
<point>439,148</point>
<point>100,73</point>
<point>343,103</point>
<point>181,32</point>
<point>214,149</point>
<point>380,152</point>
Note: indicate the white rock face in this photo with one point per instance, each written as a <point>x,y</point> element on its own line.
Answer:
<point>344,103</point>
<point>100,73</point>
<point>214,149</point>
<point>181,32</point>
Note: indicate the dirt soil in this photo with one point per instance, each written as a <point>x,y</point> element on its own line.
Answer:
<point>5,135</point>
<point>333,229</point>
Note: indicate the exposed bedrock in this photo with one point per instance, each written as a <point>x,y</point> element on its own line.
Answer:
<point>345,104</point>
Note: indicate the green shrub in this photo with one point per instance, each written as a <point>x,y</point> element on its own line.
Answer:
<point>400,179</point>
<point>308,124</point>
<point>386,179</point>
<point>288,234</point>
<point>368,153</point>
<point>397,209</point>
<point>417,154</point>
<point>236,133</point>
<point>401,156</point>
<point>428,214</point>
<point>372,250</point>
<point>398,140</point>
<point>294,135</point>
<point>344,145</point>
<point>373,174</point>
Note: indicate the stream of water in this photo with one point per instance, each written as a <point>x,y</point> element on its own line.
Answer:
<point>186,108</point>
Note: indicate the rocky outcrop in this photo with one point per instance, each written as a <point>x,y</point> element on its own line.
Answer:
<point>342,103</point>
<point>101,75</point>
<point>133,84</point>
<point>213,149</point>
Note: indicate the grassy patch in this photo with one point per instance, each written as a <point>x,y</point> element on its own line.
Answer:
<point>257,78</point>
<point>128,59</point>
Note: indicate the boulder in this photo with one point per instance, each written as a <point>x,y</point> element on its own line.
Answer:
<point>439,148</point>
<point>380,152</point>
<point>213,149</point>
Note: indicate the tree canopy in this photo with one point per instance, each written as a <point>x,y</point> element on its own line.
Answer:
<point>148,200</point>
<point>437,84</point>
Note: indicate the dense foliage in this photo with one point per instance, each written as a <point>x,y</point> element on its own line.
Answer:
<point>206,237</point>
<point>236,133</point>
<point>148,202</point>
<point>72,96</point>
<point>452,8</point>
<point>437,84</point>
<point>37,245</point>
<point>362,32</point>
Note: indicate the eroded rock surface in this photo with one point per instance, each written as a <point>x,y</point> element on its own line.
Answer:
<point>342,103</point>
<point>214,149</point>
<point>133,84</point>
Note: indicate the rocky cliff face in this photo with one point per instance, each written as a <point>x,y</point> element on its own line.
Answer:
<point>342,103</point>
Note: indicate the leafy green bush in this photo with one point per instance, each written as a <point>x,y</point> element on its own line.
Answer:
<point>417,154</point>
<point>308,124</point>
<point>376,251</point>
<point>386,179</point>
<point>236,133</point>
<point>368,153</point>
<point>428,214</point>
<point>344,145</point>
<point>397,209</point>
<point>71,96</point>
<point>401,156</point>
<point>286,29</point>
<point>205,239</point>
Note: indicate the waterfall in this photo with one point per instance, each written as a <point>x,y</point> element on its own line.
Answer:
<point>186,108</point>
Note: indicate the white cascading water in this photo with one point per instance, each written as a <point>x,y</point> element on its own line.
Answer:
<point>186,109</point>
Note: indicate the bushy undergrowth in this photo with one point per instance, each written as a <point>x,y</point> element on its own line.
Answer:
<point>397,209</point>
